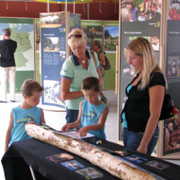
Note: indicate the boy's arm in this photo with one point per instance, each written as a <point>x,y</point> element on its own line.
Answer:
<point>42,117</point>
<point>8,132</point>
<point>75,124</point>
<point>83,131</point>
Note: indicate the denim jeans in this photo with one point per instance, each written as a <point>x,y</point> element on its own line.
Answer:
<point>132,140</point>
<point>71,115</point>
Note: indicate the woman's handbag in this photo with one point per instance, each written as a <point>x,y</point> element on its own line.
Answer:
<point>167,108</point>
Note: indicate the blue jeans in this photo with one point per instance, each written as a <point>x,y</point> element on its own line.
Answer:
<point>71,115</point>
<point>132,140</point>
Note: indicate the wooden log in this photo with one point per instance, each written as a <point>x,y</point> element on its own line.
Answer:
<point>89,152</point>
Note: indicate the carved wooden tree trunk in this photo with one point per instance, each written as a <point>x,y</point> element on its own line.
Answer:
<point>96,156</point>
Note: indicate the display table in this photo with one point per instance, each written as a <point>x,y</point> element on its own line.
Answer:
<point>34,153</point>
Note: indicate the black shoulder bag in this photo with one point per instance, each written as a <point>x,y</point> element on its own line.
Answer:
<point>167,108</point>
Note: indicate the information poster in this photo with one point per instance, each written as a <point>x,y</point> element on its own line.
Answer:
<point>22,31</point>
<point>144,21</point>
<point>54,29</point>
<point>111,39</point>
<point>172,126</point>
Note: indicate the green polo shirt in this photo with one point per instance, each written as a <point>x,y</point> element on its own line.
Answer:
<point>72,70</point>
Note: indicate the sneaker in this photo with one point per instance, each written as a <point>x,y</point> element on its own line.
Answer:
<point>3,102</point>
<point>12,101</point>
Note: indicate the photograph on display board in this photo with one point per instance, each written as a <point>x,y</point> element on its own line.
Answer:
<point>75,21</point>
<point>51,44</point>
<point>155,43</point>
<point>93,30</point>
<point>62,54</point>
<point>111,38</point>
<point>144,10</point>
<point>173,10</point>
<point>127,72</point>
<point>173,67</point>
<point>172,134</point>
<point>90,173</point>
<point>94,33</point>
<point>52,19</point>
<point>52,92</point>
<point>72,165</point>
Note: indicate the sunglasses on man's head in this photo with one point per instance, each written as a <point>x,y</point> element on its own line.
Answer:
<point>75,35</point>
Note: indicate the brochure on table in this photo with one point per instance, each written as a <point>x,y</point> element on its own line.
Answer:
<point>54,50</point>
<point>22,31</point>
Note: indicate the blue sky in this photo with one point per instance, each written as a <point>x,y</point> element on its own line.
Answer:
<point>113,30</point>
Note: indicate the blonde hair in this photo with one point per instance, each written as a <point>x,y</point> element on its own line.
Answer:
<point>77,41</point>
<point>144,49</point>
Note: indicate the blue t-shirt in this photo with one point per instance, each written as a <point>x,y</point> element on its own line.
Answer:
<point>20,118</point>
<point>123,115</point>
<point>90,116</point>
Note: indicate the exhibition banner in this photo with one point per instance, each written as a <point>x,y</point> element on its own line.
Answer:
<point>111,39</point>
<point>37,49</point>
<point>22,31</point>
<point>54,50</point>
<point>172,126</point>
<point>143,21</point>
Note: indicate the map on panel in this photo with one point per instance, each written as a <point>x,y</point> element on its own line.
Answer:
<point>22,33</point>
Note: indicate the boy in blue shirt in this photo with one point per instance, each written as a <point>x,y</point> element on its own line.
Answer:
<point>27,112</point>
<point>92,112</point>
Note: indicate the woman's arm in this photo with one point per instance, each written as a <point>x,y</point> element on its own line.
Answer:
<point>65,93</point>
<point>99,74</point>
<point>83,131</point>
<point>102,59</point>
<point>156,95</point>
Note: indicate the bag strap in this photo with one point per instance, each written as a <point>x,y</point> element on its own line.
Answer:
<point>92,53</point>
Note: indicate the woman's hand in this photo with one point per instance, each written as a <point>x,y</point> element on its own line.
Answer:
<point>142,149</point>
